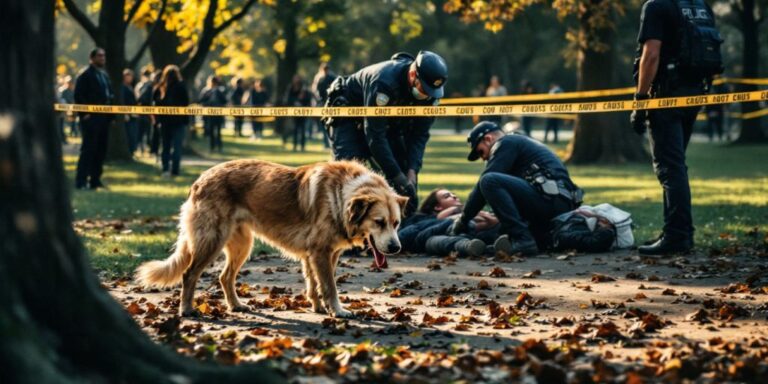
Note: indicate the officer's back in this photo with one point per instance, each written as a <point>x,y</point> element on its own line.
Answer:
<point>514,154</point>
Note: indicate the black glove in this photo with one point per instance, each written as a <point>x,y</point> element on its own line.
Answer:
<point>458,227</point>
<point>639,117</point>
<point>402,186</point>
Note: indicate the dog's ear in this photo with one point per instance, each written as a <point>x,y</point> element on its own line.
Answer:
<point>358,208</point>
<point>402,201</point>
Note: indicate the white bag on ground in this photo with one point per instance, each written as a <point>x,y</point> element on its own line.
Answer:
<point>620,219</point>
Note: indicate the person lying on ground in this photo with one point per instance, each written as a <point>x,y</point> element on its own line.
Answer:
<point>426,231</point>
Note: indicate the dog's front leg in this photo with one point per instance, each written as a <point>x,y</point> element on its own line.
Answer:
<point>311,281</point>
<point>323,270</point>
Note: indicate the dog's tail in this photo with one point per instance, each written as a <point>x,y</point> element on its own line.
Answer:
<point>168,272</point>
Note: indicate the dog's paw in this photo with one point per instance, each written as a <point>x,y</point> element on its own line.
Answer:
<point>240,308</point>
<point>318,308</point>
<point>190,313</point>
<point>343,313</point>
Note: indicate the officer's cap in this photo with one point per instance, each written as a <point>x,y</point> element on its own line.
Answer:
<point>432,72</point>
<point>476,135</point>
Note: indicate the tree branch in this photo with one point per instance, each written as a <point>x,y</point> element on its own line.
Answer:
<point>135,59</point>
<point>235,17</point>
<point>82,19</point>
<point>133,11</point>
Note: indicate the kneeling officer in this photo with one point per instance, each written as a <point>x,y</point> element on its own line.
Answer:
<point>394,144</point>
<point>525,184</point>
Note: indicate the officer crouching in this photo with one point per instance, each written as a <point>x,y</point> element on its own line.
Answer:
<point>525,184</point>
<point>395,144</point>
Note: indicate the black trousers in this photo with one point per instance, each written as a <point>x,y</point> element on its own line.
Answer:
<point>523,212</point>
<point>93,151</point>
<point>670,132</point>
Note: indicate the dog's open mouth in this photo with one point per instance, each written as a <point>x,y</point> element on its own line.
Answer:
<point>379,258</point>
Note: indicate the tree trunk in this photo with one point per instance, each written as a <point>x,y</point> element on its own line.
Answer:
<point>112,27</point>
<point>601,137</point>
<point>751,130</point>
<point>286,16</point>
<point>162,48</point>
<point>57,323</point>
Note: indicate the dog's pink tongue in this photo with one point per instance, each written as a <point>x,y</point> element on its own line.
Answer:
<point>379,258</point>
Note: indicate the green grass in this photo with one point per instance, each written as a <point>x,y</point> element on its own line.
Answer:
<point>135,219</point>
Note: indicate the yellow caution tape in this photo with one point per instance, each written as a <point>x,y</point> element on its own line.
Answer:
<point>577,94</point>
<point>419,111</point>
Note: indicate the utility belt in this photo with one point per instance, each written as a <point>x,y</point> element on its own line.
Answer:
<point>670,79</point>
<point>548,186</point>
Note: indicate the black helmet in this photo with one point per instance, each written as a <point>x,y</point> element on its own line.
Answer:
<point>477,134</point>
<point>432,73</point>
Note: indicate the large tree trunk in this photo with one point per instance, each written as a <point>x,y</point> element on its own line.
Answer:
<point>57,323</point>
<point>751,130</point>
<point>162,48</point>
<point>111,26</point>
<point>601,137</point>
<point>286,16</point>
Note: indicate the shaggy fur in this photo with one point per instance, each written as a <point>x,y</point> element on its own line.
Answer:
<point>312,213</point>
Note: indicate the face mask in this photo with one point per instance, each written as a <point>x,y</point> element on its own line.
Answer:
<point>417,94</point>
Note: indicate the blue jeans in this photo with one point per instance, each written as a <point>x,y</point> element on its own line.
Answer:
<point>523,212</point>
<point>173,138</point>
<point>670,132</point>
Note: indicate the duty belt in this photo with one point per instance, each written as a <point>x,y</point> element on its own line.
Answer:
<point>542,180</point>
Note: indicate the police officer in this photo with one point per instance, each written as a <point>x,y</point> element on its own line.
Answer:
<point>666,67</point>
<point>394,144</point>
<point>525,184</point>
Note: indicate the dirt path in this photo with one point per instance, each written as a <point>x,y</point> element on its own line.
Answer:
<point>434,305</point>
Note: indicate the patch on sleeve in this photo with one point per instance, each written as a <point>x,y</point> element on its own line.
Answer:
<point>382,99</point>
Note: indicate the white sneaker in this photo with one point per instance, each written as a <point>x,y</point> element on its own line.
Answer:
<point>166,175</point>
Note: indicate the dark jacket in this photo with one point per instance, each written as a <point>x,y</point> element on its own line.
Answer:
<point>514,155</point>
<point>213,97</point>
<point>93,87</point>
<point>386,84</point>
<point>175,96</point>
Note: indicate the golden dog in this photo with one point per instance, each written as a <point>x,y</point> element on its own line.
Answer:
<point>312,213</point>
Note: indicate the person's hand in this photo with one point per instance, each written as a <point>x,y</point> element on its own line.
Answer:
<point>458,227</point>
<point>403,186</point>
<point>639,121</point>
<point>412,176</point>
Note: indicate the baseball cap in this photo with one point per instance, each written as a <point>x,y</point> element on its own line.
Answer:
<point>432,72</point>
<point>476,135</point>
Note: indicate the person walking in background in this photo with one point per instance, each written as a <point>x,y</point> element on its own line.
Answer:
<point>323,79</point>
<point>236,100</point>
<point>495,89</point>
<point>297,95</point>
<point>256,97</point>
<point>553,124</point>
<point>67,96</point>
<point>143,92</point>
<point>94,88</point>
<point>129,98</point>
<point>171,92</point>
<point>526,122</point>
<point>213,96</point>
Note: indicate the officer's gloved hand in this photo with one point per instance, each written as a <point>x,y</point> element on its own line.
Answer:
<point>403,186</point>
<point>458,227</point>
<point>639,117</point>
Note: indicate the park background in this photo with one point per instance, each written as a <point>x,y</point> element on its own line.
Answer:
<point>578,45</point>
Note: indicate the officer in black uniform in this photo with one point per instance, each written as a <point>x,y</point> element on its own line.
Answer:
<point>394,144</point>
<point>665,66</point>
<point>525,184</point>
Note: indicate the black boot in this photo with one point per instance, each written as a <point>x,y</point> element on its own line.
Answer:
<point>444,245</point>
<point>524,245</point>
<point>667,245</point>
